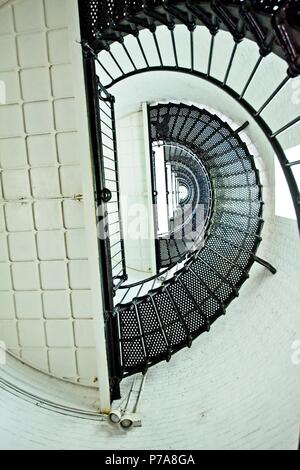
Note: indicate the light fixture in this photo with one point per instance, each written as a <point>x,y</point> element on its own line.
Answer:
<point>127,421</point>
<point>115,416</point>
<point>121,415</point>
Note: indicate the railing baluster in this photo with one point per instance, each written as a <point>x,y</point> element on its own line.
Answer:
<point>109,148</point>
<point>119,274</point>
<point>286,127</point>
<point>192,50</point>
<point>105,102</point>
<point>176,247</point>
<point>230,63</point>
<point>293,163</point>
<point>103,122</point>
<point>106,135</point>
<point>118,264</point>
<point>106,71</point>
<point>122,244</point>
<point>115,255</point>
<point>211,53</point>
<point>157,48</point>
<point>126,293</point>
<point>142,51</point>
<point>104,112</point>
<point>169,251</point>
<point>174,47</point>
<point>116,62</point>
<point>140,290</point>
<point>108,158</point>
<point>253,73</point>
<point>272,96</point>
<point>114,234</point>
<point>129,56</point>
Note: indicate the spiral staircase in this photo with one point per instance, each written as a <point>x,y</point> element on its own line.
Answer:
<point>148,321</point>
<point>155,325</point>
<point>218,85</point>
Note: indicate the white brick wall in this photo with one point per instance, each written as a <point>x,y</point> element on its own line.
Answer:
<point>44,270</point>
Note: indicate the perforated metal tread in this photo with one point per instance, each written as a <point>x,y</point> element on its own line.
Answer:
<point>155,326</point>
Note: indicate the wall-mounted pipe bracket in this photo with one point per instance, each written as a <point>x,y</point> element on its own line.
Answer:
<point>265,264</point>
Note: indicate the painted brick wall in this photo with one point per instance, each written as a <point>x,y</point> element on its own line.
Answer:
<point>46,308</point>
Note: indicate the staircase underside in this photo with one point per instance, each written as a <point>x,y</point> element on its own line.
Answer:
<point>155,326</point>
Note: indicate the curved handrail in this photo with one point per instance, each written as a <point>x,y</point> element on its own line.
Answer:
<point>241,19</point>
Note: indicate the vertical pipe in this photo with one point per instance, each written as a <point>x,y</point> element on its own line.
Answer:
<point>192,51</point>
<point>174,47</point>
<point>211,53</point>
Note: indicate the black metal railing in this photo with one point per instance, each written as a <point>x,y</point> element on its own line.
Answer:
<point>111,180</point>
<point>112,262</point>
